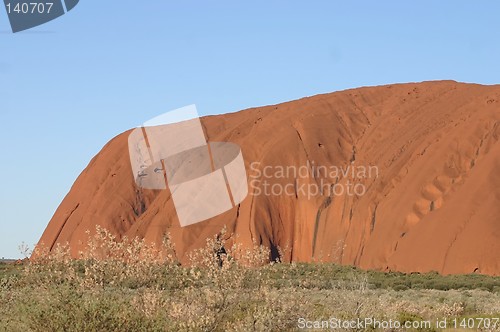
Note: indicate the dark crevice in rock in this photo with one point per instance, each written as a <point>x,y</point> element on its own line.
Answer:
<point>374,219</point>
<point>64,224</point>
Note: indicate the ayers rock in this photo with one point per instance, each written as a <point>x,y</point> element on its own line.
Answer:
<point>434,206</point>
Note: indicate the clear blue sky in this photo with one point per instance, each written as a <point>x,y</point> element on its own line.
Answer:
<point>69,86</point>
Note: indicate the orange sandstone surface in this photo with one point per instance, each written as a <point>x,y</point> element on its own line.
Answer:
<point>425,158</point>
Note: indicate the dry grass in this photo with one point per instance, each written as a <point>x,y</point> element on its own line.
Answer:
<point>129,285</point>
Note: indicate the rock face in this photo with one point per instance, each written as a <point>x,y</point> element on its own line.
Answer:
<point>430,203</point>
